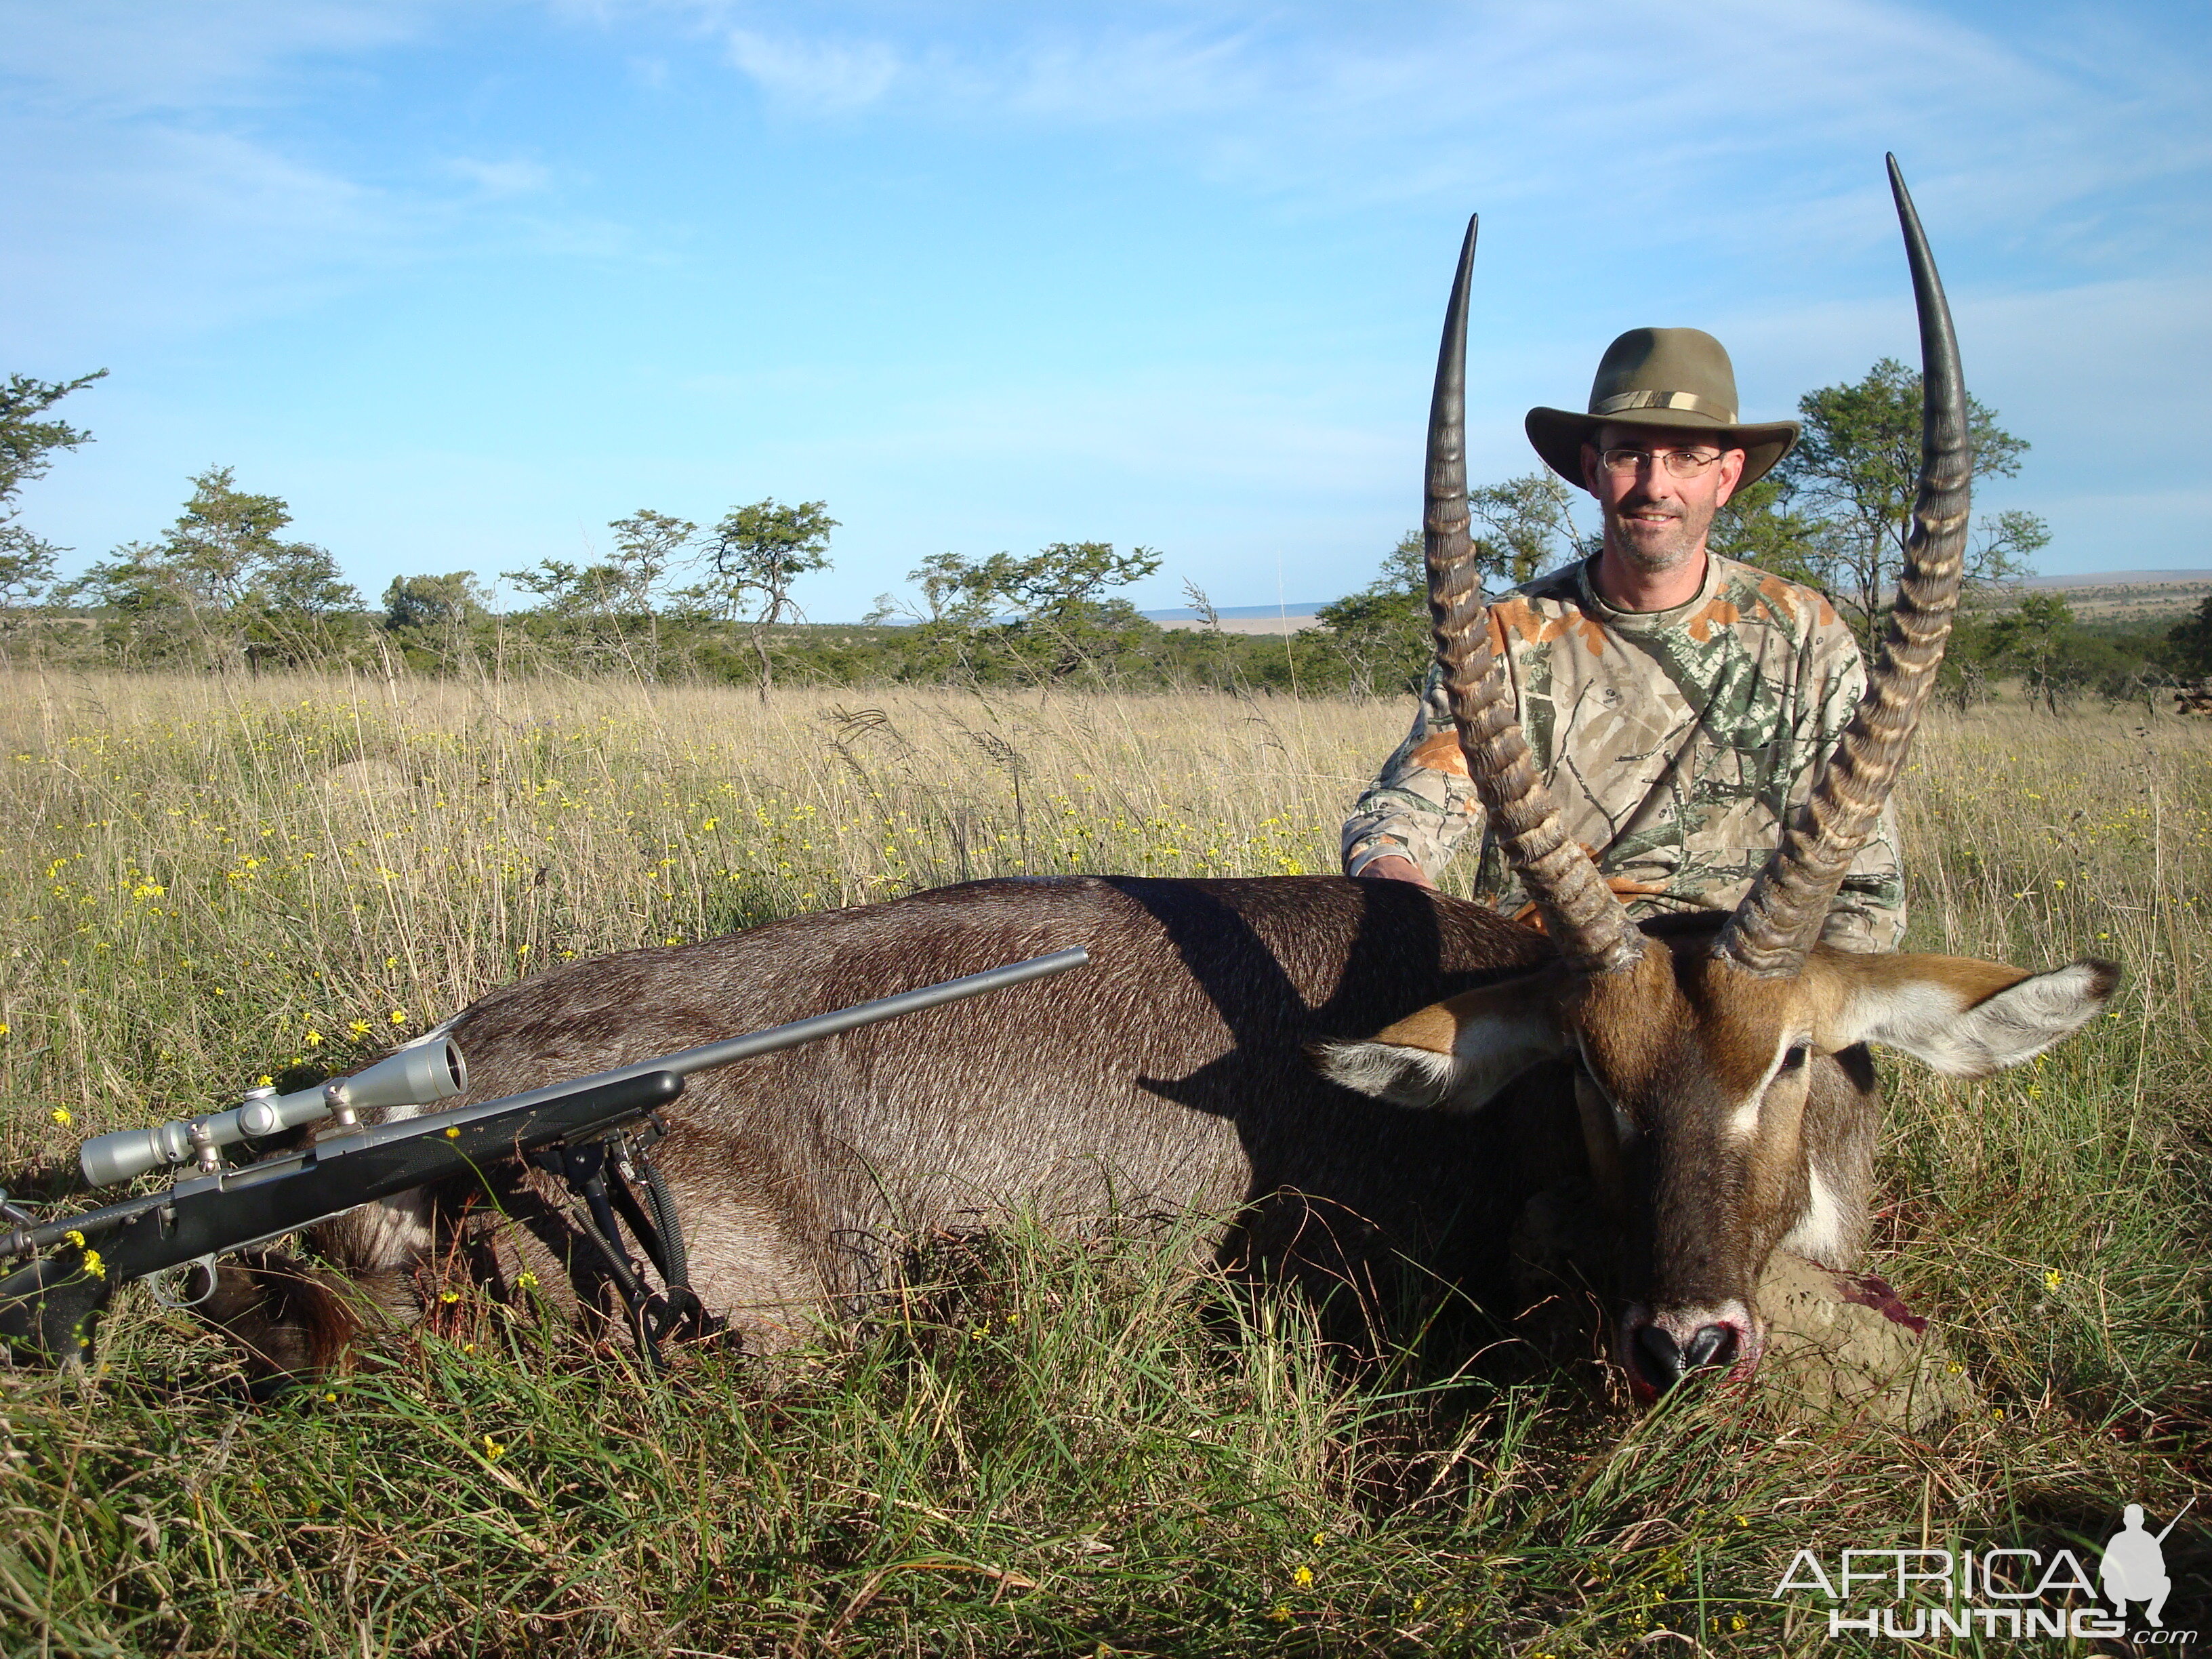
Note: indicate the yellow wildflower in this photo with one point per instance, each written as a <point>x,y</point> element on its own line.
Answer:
<point>359,1028</point>
<point>2053,1278</point>
<point>399,1015</point>
<point>94,1265</point>
<point>526,1280</point>
<point>1302,1577</point>
<point>449,1297</point>
<point>493,1449</point>
<point>61,1114</point>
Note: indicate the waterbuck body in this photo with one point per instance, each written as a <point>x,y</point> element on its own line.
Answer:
<point>1353,1069</point>
<point>1171,1075</point>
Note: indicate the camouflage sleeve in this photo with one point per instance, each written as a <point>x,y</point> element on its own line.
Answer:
<point>1869,911</point>
<point>1420,805</point>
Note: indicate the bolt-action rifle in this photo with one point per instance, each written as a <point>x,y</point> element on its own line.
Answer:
<point>51,1305</point>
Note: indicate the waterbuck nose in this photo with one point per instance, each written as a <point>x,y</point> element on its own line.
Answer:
<point>1658,1358</point>
<point>1661,1362</point>
<point>1713,1345</point>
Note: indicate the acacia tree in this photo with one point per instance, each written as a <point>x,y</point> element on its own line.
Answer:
<point>1044,618</point>
<point>2187,648</point>
<point>2033,638</point>
<point>1761,526</point>
<point>27,445</point>
<point>1382,632</point>
<point>608,596</point>
<point>753,558</point>
<point>1853,475</point>
<point>223,575</point>
<point>435,614</point>
<point>1529,530</point>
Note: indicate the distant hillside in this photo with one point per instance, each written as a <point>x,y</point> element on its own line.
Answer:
<point>2146,596</point>
<point>1281,618</point>
<point>2128,596</point>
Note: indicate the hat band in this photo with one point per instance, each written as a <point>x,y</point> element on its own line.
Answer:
<point>1623,402</point>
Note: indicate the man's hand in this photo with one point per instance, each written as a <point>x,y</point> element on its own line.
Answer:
<point>1391,867</point>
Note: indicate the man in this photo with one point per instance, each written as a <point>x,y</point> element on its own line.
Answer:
<point>1678,703</point>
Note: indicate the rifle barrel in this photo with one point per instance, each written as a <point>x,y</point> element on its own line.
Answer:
<point>867,1014</point>
<point>728,1052</point>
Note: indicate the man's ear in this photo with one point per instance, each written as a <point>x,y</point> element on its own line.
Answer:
<point>1731,464</point>
<point>1965,1017</point>
<point>1457,1053</point>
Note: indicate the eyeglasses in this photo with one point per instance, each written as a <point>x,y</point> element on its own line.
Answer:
<point>1679,463</point>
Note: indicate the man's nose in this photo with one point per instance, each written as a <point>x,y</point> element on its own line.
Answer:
<point>1651,479</point>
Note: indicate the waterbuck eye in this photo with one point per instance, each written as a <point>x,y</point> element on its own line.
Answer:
<point>1795,1058</point>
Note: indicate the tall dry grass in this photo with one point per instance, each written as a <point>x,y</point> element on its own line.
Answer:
<point>1061,1448</point>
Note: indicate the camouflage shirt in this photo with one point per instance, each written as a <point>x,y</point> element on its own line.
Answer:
<point>1673,740</point>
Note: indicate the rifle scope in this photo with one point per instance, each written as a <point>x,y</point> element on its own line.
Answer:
<point>418,1075</point>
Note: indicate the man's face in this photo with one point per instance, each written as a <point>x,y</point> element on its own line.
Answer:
<point>1653,518</point>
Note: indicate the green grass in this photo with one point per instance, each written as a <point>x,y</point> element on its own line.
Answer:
<point>1044,1445</point>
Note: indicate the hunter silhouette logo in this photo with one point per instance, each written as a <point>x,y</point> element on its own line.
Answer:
<point>1920,1594</point>
<point>2134,1568</point>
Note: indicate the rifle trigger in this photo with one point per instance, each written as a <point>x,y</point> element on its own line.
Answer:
<point>157,1285</point>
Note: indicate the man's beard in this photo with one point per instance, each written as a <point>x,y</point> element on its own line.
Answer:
<point>1653,548</point>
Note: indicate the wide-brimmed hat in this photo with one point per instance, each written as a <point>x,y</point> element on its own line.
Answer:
<point>1670,376</point>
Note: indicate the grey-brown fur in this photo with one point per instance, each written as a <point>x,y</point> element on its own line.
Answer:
<point>1169,1075</point>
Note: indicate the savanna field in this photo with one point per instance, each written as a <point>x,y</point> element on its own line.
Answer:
<point>1046,1447</point>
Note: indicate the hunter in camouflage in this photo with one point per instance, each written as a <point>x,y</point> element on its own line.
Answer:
<point>1673,741</point>
<point>1678,703</point>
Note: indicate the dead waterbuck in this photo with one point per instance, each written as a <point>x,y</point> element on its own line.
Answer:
<point>1352,1069</point>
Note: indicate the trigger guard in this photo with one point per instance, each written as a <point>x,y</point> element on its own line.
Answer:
<point>157,1284</point>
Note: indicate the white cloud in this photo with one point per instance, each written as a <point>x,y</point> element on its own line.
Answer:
<point>1750,123</point>
<point>109,58</point>
<point>509,177</point>
<point>827,76</point>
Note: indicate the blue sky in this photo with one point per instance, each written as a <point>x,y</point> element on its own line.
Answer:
<point>463,282</point>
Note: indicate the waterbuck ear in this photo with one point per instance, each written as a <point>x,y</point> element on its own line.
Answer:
<point>1963,1017</point>
<point>1457,1053</point>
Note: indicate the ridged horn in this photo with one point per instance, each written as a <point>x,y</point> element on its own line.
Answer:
<point>1781,917</point>
<point>1581,914</point>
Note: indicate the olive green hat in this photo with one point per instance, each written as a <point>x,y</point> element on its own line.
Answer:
<point>1671,377</point>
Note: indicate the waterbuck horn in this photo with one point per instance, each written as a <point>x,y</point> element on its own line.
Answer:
<point>1780,918</point>
<point>1581,913</point>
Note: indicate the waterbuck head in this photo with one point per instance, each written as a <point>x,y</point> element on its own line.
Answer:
<point>1711,1129</point>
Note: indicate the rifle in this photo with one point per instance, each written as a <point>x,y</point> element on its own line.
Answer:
<point>50,1307</point>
